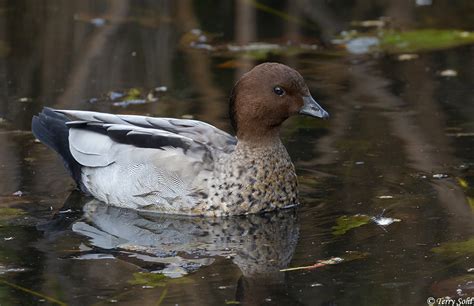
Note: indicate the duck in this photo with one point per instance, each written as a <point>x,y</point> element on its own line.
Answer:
<point>185,166</point>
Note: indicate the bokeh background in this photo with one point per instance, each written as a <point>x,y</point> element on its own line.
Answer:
<point>396,76</point>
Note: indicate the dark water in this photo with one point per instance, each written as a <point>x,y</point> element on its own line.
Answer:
<point>394,125</point>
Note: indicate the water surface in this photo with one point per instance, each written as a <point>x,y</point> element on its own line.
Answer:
<point>399,145</point>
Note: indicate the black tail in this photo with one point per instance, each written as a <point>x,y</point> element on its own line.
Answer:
<point>50,128</point>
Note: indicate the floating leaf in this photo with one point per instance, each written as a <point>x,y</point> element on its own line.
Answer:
<point>463,183</point>
<point>455,249</point>
<point>7,213</point>
<point>151,280</point>
<point>148,279</point>
<point>402,42</point>
<point>423,40</point>
<point>346,223</point>
<point>133,94</point>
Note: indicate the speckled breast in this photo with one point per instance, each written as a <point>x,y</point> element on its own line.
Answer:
<point>251,180</point>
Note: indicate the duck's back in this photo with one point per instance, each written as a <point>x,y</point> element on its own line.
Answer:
<point>137,162</point>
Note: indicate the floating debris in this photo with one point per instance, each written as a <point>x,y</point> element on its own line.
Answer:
<point>362,45</point>
<point>253,47</point>
<point>18,193</point>
<point>316,285</point>
<point>173,271</point>
<point>448,73</point>
<point>153,95</point>
<point>4,269</point>
<point>98,22</point>
<point>440,176</point>
<point>359,163</point>
<point>8,238</point>
<point>384,221</point>
<point>197,39</point>
<point>407,57</point>
<point>131,96</point>
<point>379,23</point>
<point>318,264</point>
<point>260,51</point>
<point>114,95</point>
<point>25,99</point>
<point>385,197</point>
<point>129,102</point>
<point>403,42</point>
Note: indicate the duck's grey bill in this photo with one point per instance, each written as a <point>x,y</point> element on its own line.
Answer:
<point>312,108</point>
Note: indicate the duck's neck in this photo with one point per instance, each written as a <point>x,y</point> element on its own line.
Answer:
<point>267,138</point>
<point>264,150</point>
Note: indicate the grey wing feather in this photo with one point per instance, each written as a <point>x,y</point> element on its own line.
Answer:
<point>196,130</point>
<point>165,162</point>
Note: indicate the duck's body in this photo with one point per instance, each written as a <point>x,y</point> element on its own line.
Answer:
<point>179,166</point>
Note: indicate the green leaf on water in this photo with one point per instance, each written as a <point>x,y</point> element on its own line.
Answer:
<point>7,213</point>
<point>148,279</point>
<point>455,249</point>
<point>346,223</point>
<point>157,280</point>
<point>133,94</point>
<point>423,40</point>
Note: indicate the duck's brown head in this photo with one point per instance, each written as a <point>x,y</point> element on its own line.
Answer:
<point>265,97</point>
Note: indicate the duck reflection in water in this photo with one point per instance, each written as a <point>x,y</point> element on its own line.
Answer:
<point>260,245</point>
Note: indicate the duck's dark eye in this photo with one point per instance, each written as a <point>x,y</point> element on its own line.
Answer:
<point>278,90</point>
